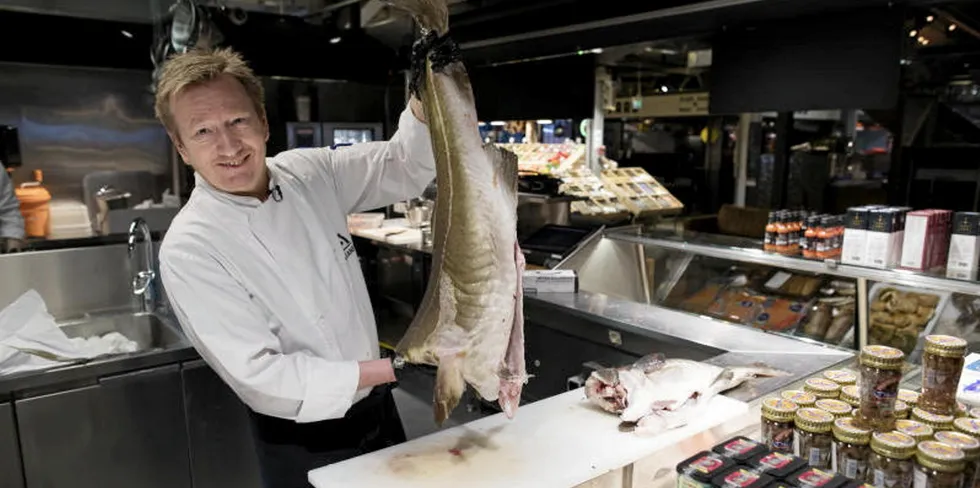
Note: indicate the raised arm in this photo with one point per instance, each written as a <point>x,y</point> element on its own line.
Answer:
<point>376,174</point>
<point>234,336</point>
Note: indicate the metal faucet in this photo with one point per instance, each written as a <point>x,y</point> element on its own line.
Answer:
<point>142,285</point>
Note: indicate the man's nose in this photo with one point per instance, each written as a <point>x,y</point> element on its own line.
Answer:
<point>228,143</point>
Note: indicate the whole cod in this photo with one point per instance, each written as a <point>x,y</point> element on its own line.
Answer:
<point>655,394</point>
<point>471,322</point>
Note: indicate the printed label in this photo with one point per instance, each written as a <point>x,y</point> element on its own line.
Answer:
<point>707,464</point>
<point>815,477</point>
<point>920,480</point>
<point>879,478</point>
<point>739,446</point>
<point>741,478</point>
<point>852,468</point>
<point>775,460</point>
<point>796,445</point>
<point>816,457</point>
<point>833,457</point>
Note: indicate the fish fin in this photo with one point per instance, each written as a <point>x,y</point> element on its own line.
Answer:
<point>431,15</point>
<point>515,370</point>
<point>505,169</point>
<point>735,376</point>
<point>650,362</point>
<point>449,386</point>
<point>413,344</point>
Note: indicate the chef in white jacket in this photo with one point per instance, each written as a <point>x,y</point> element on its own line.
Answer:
<point>261,272</point>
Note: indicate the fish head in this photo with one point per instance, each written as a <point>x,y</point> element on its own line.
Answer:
<point>604,390</point>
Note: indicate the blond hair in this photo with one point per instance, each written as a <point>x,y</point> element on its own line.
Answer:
<point>199,66</point>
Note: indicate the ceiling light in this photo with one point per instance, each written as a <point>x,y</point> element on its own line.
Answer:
<point>334,40</point>
<point>921,39</point>
<point>664,88</point>
<point>930,18</point>
<point>545,121</point>
<point>952,27</point>
<point>925,42</point>
<point>913,33</point>
<point>497,123</point>
<point>127,34</point>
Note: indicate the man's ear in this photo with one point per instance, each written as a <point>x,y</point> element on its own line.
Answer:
<point>265,124</point>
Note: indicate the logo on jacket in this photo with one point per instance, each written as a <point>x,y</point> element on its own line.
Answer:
<point>346,245</point>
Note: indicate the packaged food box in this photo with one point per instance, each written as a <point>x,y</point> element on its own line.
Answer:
<point>777,464</point>
<point>741,449</point>
<point>816,478</point>
<point>741,477</point>
<point>698,470</point>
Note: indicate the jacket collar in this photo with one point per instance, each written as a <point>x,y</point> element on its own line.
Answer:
<point>202,185</point>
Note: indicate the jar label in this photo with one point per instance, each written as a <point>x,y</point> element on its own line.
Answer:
<point>878,396</point>
<point>819,457</point>
<point>853,468</point>
<point>883,480</point>
<point>920,479</point>
<point>782,440</point>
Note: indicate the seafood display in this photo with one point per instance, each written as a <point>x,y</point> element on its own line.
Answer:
<point>655,394</point>
<point>470,322</point>
<point>898,317</point>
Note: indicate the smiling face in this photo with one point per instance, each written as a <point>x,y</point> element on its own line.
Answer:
<point>222,136</point>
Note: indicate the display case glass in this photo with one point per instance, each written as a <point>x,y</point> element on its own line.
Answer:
<point>734,280</point>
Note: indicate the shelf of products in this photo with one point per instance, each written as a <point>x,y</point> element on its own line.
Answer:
<point>904,430</point>
<point>547,159</point>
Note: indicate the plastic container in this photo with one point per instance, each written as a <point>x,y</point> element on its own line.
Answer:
<point>740,449</point>
<point>697,470</point>
<point>365,220</point>
<point>741,477</point>
<point>777,464</point>
<point>942,364</point>
<point>35,207</point>
<point>816,478</point>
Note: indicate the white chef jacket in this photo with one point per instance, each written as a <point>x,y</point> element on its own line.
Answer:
<point>271,293</point>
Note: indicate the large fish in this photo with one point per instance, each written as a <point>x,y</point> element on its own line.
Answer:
<point>656,394</point>
<point>471,322</point>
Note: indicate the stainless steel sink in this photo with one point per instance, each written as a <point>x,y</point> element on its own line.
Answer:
<point>149,331</point>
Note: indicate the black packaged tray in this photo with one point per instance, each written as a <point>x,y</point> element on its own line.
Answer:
<point>740,448</point>
<point>698,470</point>
<point>741,477</point>
<point>777,464</point>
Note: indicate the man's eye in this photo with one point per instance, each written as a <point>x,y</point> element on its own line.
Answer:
<point>237,121</point>
<point>202,131</point>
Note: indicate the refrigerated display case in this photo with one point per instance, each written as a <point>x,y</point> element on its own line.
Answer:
<point>732,280</point>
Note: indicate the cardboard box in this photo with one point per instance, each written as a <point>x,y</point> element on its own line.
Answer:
<point>964,247</point>
<point>550,281</point>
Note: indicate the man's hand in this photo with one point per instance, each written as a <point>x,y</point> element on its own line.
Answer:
<point>416,105</point>
<point>375,372</point>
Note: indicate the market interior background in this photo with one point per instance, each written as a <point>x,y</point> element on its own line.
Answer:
<point>736,108</point>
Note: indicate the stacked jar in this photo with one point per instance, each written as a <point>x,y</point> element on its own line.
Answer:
<point>971,453</point>
<point>813,440</point>
<point>778,415</point>
<point>891,463</point>
<point>942,363</point>
<point>938,465</point>
<point>881,373</point>
<point>851,449</point>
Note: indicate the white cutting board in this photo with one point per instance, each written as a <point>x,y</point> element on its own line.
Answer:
<point>558,442</point>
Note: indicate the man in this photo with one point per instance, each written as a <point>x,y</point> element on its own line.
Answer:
<point>11,220</point>
<point>261,273</point>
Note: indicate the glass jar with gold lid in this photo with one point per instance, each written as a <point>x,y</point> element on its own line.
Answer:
<point>936,421</point>
<point>942,362</point>
<point>938,465</point>
<point>881,372</point>
<point>917,430</point>
<point>778,415</point>
<point>852,448</point>
<point>837,408</point>
<point>901,410</point>
<point>891,463</point>
<point>821,388</point>
<point>969,426</point>
<point>801,398</point>
<point>813,438</point>
<point>908,396</point>
<point>851,395</point>
<point>971,452</point>
<point>842,377</point>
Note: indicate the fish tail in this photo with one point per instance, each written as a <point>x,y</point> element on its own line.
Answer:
<point>431,15</point>
<point>449,386</point>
